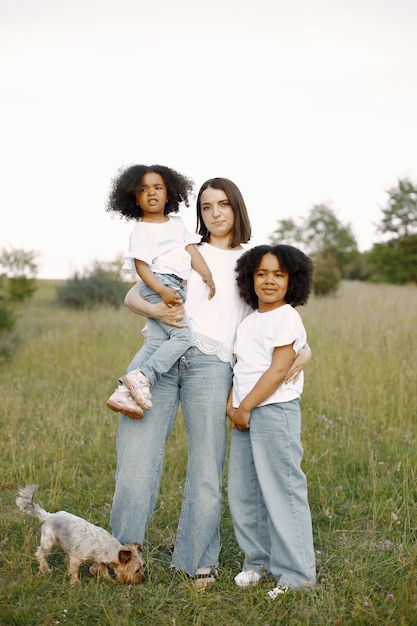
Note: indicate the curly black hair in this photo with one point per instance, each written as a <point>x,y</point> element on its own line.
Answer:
<point>298,265</point>
<point>122,198</point>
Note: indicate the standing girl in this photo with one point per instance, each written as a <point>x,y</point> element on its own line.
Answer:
<point>267,488</point>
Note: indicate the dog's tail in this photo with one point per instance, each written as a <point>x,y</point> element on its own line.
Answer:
<point>26,504</point>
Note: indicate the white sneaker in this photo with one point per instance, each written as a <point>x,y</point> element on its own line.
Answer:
<point>247,578</point>
<point>139,385</point>
<point>276,591</point>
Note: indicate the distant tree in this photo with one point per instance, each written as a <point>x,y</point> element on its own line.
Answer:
<point>17,283</point>
<point>395,261</point>
<point>323,232</point>
<point>400,214</point>
<point>7,313</point>
<point>287,231</point>
<point>321,235</point>
<point>18,269</point>
<point>327,275</point>
<point>359,267</point>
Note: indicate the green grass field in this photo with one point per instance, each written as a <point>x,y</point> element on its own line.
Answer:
<point>359,435</point>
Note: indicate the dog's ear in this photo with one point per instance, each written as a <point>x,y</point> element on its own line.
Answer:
<point>138,547</point>
<point>125,556</point>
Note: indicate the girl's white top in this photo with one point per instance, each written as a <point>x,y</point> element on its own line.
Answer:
<point>214,322</point>
<point>257,336</point>
<point>162,247</point>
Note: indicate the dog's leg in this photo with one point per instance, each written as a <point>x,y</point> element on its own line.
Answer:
<point>45,547</point>
<point>41,554</point>
<point>94,571</point>
<point>73,568</point>
<point>102,568</point>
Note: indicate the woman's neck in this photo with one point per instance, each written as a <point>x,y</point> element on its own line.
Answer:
<point>222,242</point>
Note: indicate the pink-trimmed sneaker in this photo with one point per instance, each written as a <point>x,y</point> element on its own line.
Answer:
<point>138,385</point>
<point>122,402</point>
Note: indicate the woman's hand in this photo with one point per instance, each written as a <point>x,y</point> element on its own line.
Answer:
<point>158,310</point>
<point>171,315</point>
<point>302,357</point>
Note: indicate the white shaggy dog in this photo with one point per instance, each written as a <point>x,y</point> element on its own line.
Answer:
<point>83,542</point>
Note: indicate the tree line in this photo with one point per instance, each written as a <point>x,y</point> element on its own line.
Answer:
<point>334,248</point>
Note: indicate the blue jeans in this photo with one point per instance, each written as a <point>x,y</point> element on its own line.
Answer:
<point>267,493</point>
<point>173,342</point>
<point>201,382</point>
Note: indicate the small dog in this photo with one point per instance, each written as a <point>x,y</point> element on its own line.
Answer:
<point>83,542</point>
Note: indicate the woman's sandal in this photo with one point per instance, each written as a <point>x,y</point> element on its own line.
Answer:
<point>204,577</point>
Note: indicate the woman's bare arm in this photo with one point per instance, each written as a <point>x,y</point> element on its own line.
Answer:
<point>157,310</point>
<point>302,357</point>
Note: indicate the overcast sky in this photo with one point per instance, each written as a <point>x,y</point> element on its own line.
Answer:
<point>299,102</point>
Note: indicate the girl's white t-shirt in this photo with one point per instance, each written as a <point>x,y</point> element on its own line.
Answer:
<point>214,322</point>
<point>162,247</point>
<point>256,338</point>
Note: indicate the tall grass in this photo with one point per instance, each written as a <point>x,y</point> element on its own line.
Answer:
<point>359,427</point>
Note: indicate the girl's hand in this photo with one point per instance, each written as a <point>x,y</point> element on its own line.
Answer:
<point>230,412</point>
<point>241,419</point>
<point>170,296</point>
<point>208,279</point>
<point>302,357</point>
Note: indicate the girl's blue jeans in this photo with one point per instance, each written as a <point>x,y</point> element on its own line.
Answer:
<point>201,383</point>
<point>172,342</point>
<point>267,492</point>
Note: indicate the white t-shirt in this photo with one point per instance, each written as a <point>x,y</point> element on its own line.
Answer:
<point>257,336</point>
<point>214,322</point>
<point>162,247</point>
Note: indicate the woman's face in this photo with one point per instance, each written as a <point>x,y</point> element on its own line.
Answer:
<point>216,212</point>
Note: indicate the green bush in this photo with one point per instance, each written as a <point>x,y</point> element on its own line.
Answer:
<point>97,288</point>
<point>327,274</point>
<point>17,286</point>
<point>7,316</point>
<point>8,338</point>
<point>21,288</point>
<point>395,261</point>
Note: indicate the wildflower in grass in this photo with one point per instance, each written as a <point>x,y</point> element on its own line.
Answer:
<point>395,520</point>
<point>386,544</point>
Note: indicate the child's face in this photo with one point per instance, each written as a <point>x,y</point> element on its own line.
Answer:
<point>270,283</point>
<point>151,195</point>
